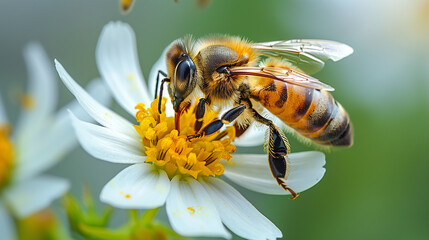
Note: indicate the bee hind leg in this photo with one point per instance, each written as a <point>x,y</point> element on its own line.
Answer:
<point>279,166</point>
<point>278,144</point>
<point>282,184</point>
<point>278,148</point>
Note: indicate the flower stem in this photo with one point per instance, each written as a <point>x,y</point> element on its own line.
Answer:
<point>149,215</point>
<point>102,233</point>
<point>134,215</point>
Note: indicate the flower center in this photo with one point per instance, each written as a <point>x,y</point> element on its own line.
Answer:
<point>171,149</point>
<point>6,155</point>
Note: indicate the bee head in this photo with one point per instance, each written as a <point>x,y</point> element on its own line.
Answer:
<point>181,71</point>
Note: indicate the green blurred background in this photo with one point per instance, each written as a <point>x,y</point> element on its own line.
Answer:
<point>375,190</point>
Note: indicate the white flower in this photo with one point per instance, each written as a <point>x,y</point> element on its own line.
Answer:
<point>197,203</point>
<point>38,140</point>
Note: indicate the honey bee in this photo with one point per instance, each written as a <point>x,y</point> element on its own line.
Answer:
<point>250,77</point>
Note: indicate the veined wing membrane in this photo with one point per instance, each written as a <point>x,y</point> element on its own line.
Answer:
<point>282,74</point>
<point>308,55</point>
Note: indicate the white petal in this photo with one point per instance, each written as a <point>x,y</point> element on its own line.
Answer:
<point>62,123</point>
<point>32,159</point>
<point>118,63</point>
<point>256,133</point>
<point>160,65</point>
<point>238,214</point>
<point>101,114</point>
<point>253,136</point>
<point>42,88</point>
<point>139,186</point>
<point>106,144</point>
<point>98,91</point>
<point>191,211</point>
<point>42,79</point>
<point>306,169</point>
<point>7,227</point>
<point>58,132</point>
<point>252,171</point>
<point>30,196</point>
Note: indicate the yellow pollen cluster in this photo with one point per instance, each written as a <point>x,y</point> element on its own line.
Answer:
<point>28,102</point>
<point>6,156</point>
<point>170,149</point>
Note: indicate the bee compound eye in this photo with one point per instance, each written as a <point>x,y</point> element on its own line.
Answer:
<point>185,69</point>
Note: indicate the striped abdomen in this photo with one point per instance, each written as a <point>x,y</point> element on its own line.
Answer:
<point>312,113</point>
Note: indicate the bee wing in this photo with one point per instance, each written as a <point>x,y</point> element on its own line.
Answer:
<point>282,74</point>
<point>308,55</point>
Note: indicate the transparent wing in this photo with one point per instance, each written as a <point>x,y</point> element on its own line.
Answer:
<point>308,55</point>
<point>282,74</point>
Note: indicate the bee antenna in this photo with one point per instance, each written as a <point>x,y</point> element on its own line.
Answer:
<point>161,89</point>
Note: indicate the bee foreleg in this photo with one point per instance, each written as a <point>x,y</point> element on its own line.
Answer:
<point>232,114</point>
<point>160,93</point>
<point>199,114</point>
<point>217,124</point>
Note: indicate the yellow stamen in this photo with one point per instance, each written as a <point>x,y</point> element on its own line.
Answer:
<point>130,76</point>
<point>6,155</point>
<point>170,149</point>
<point>28,102</point>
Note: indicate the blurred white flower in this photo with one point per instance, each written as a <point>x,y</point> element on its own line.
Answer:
<point>36,143</point>
<point>167,169</point>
